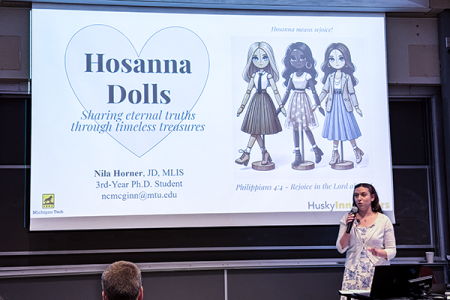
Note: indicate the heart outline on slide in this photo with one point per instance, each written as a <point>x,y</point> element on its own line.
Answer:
<point>105,38</point>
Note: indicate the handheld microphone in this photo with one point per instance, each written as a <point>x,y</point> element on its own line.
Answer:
<point>349,225</point>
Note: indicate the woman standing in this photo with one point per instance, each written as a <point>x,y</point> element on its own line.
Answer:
<point>371,240</point>
<point>261,118</point>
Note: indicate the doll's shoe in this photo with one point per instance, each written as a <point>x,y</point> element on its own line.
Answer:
<point>359,154</point>
<point>243,160</point>
<point>334,157</point>
<point>298,158</point>
<point>318,154</point>
<point>266,158</point>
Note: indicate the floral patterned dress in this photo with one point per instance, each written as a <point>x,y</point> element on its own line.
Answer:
<point>300,113</point>
<point>361,277</point>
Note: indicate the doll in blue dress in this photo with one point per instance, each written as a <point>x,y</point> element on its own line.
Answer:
<point>340,99</point>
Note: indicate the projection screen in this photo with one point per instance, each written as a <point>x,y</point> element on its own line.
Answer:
<point>146,119</point>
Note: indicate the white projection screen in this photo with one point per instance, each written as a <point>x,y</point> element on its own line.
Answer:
<point>135,118</point>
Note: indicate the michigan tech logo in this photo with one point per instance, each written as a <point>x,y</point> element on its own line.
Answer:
<point>48,200</point>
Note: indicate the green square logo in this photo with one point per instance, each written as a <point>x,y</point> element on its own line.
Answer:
<point>48,200</point>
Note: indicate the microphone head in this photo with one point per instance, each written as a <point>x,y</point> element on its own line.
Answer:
<point>354,210</point>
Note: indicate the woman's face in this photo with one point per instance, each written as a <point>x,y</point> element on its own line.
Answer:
<point>336,59</point>
<point>298,59</point>
<point>363,198</point>
<point>260,58</point>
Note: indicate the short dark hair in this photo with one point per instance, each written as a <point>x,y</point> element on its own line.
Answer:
<point>122,281</point>
<point>376,207</point>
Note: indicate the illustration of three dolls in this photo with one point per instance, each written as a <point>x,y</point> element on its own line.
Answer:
<point>299,74</point>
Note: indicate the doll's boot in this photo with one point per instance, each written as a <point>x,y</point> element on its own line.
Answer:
<point>318,154</point>
<point>359,154</point>
<point>334,157</point>
<point>243,160</point>
<point>298,158</point>
<point>266,158</point>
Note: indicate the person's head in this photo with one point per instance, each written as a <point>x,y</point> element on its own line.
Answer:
<point>122,281</point>
<point>366,192</point>
<point>337,57</point>
<point>260,57</point>
<point>298,57</point>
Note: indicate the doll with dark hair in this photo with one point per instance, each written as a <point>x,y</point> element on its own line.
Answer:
<point>300,74</point>
<point>340,98</point>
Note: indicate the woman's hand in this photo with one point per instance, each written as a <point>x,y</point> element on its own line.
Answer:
<point>358,110</point>
<point>345,239</point>
<point>350,218</point>
<point>377,252</point>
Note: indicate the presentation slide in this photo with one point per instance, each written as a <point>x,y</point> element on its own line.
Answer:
<point>147,119</point>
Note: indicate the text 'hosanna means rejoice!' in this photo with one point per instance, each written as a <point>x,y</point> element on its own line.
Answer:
<point>150,94</point>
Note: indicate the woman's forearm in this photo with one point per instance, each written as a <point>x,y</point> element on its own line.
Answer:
<point>344,240</point>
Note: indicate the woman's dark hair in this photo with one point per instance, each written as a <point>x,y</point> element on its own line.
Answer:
<point>376,207</point>
<point>349,67</point>
<point>289,69</point>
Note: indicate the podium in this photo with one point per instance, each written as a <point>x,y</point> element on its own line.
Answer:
<point>360,295</point>
<point>394,282</point>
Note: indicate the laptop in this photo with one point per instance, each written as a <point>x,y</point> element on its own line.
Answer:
<point>390,281</point>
